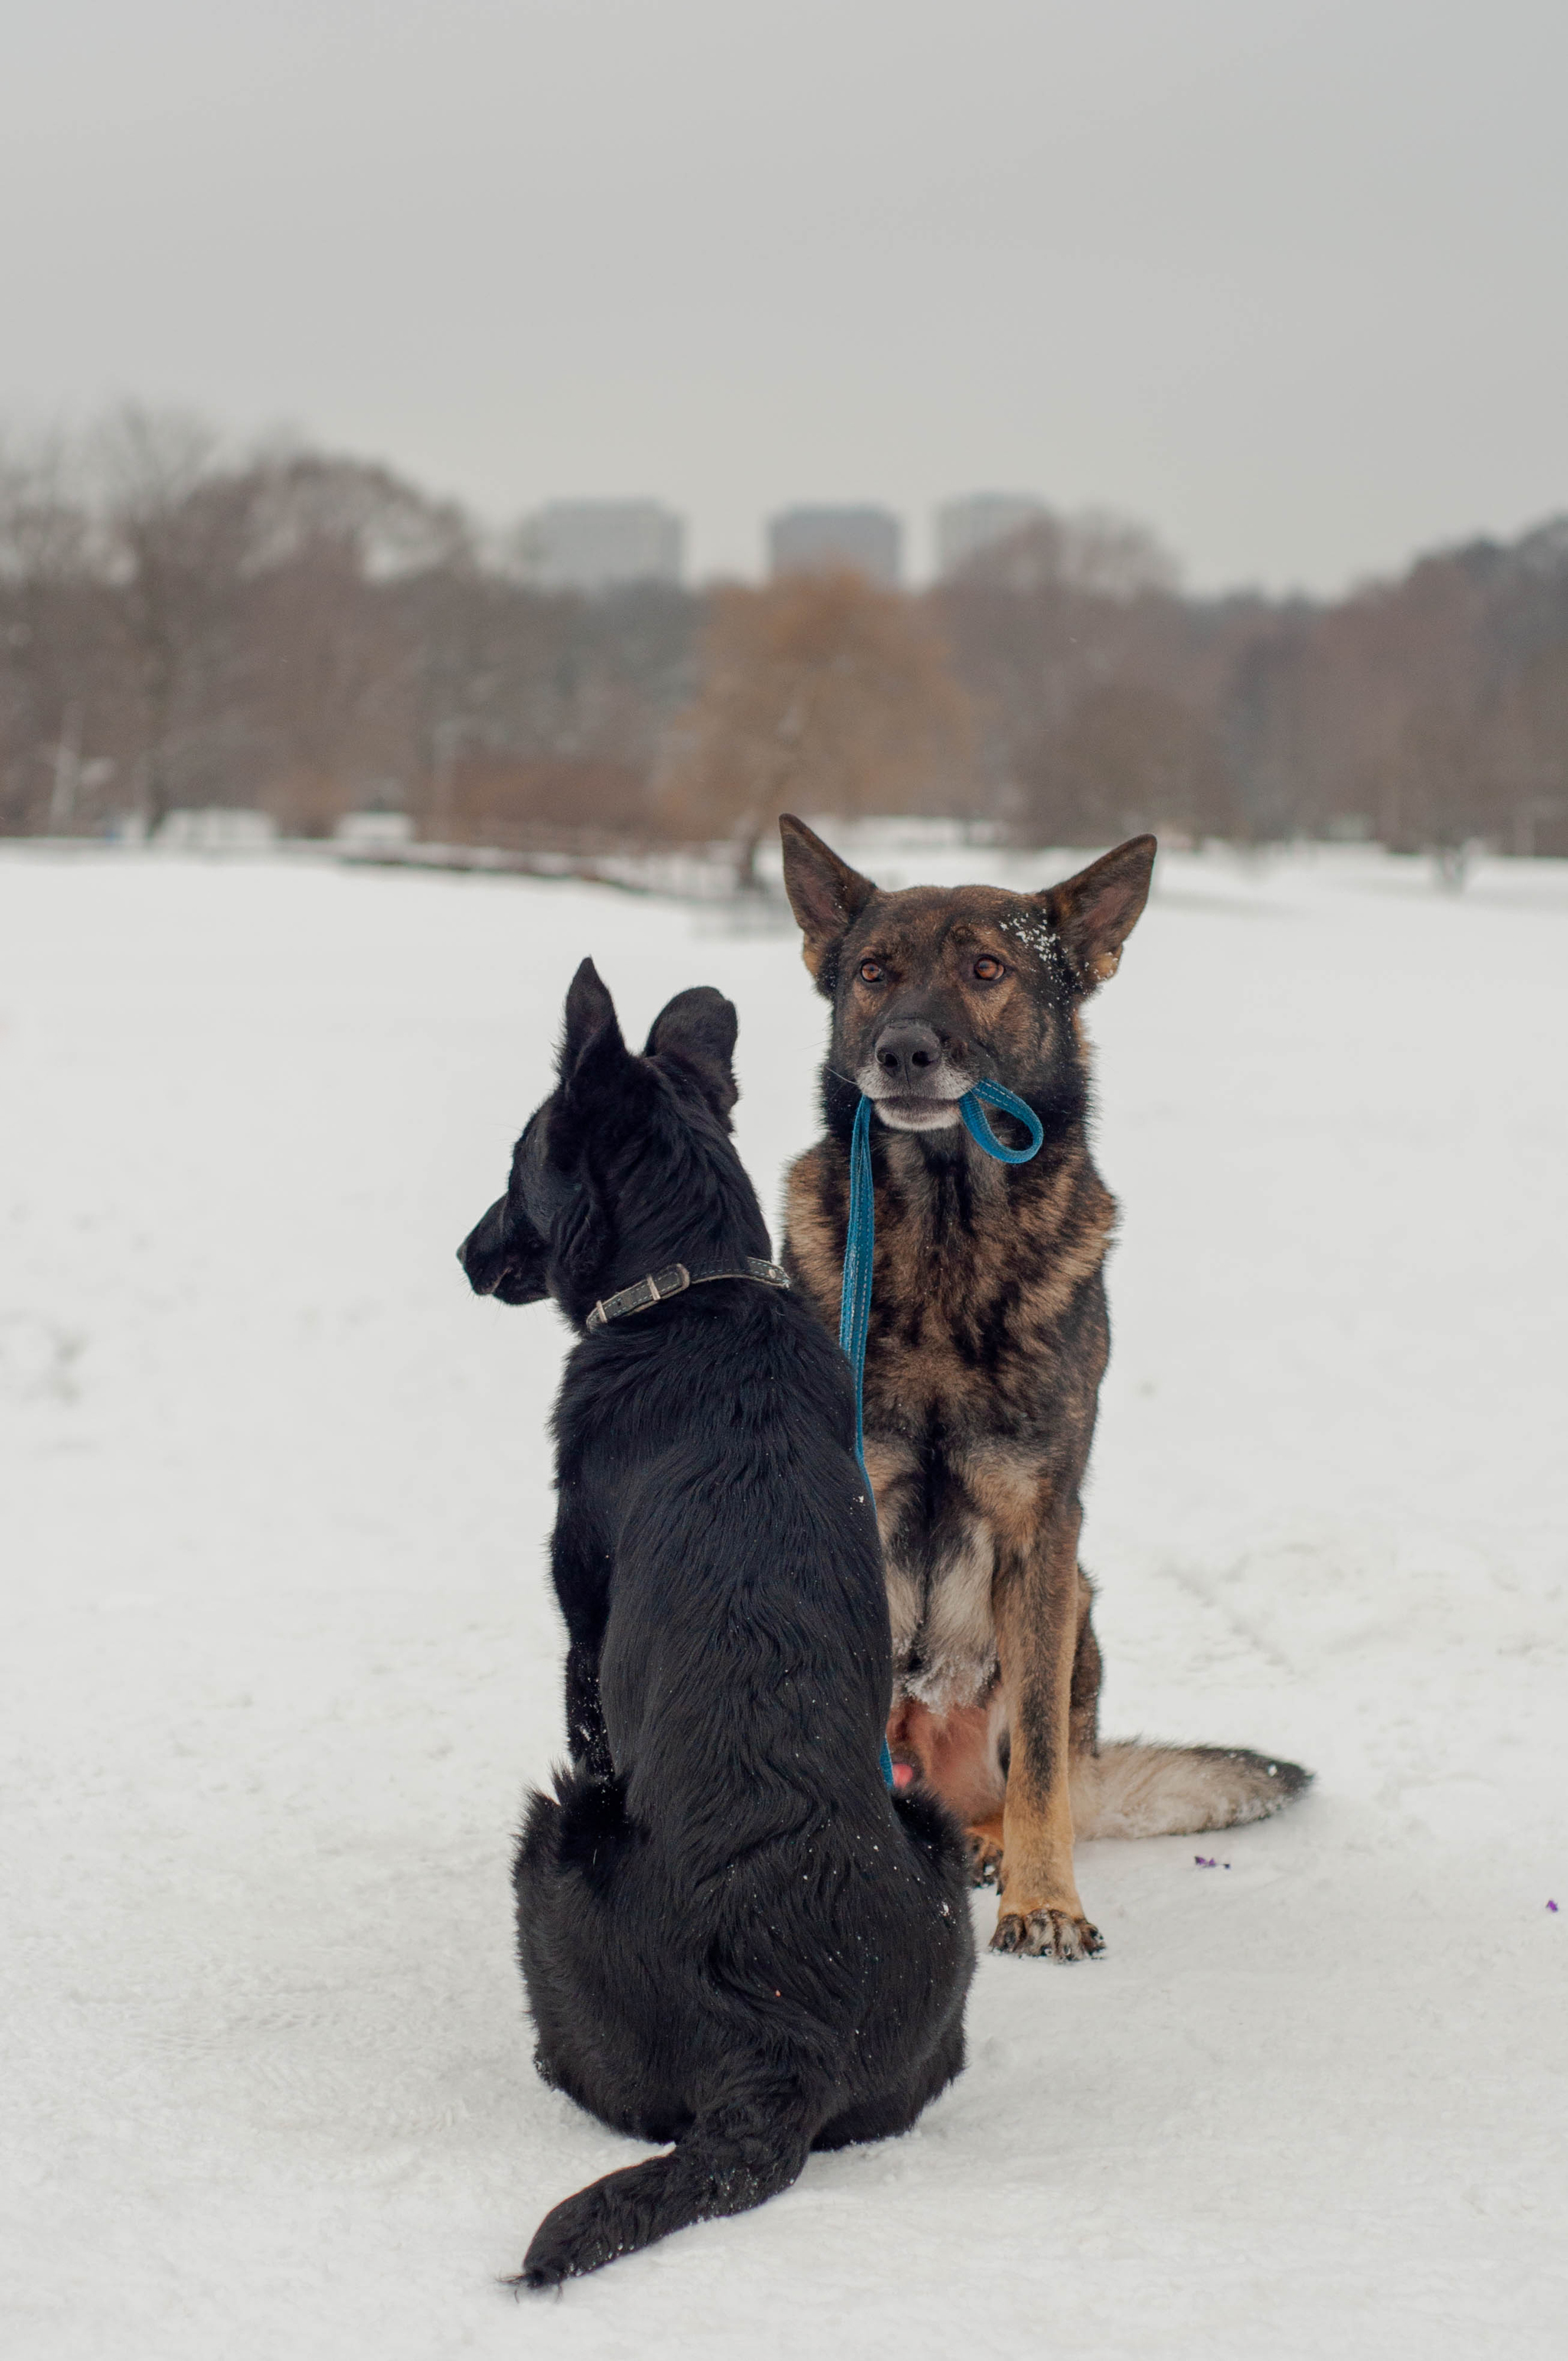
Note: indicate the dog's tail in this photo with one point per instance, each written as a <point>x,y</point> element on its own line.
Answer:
<point>1131,1790</point>
<point>730,2160</point>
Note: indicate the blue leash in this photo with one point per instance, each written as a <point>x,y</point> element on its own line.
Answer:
<point>860,1246</point>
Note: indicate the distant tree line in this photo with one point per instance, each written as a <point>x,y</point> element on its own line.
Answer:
<point>312,636</point>
<point>1423,713</point>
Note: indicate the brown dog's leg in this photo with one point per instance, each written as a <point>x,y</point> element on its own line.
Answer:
<point>1039,1616</point>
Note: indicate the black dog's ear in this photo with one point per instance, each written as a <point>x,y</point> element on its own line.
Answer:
<point>590,1022</point>
<point>1094,912</point>
<point>826,894</point>
<point>699,1027</point>
<point>504,1255</point>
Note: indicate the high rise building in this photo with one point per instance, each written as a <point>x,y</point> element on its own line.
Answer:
<point>817,541</point>
<point>594,546</point>
<point>979,521</point>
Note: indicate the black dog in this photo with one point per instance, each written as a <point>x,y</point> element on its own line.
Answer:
<point>733,1938</point>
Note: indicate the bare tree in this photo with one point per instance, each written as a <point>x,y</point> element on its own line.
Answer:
<point>821,690</point>
<point>180,534</point>
<point>61,694</point>
<point>336,665</point>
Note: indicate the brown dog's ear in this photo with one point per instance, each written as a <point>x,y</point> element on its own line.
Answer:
<point>699,1027</point>
<point>1094,912</point>
<point>826,894</point>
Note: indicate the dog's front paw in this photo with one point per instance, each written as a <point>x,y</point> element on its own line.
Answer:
<point>985,1853</point>
<point>1047,1934</point>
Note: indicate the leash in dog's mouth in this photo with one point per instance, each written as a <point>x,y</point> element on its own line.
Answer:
<point>860,1245</point>
<point>674,1279</point>
<point>860,1255</point>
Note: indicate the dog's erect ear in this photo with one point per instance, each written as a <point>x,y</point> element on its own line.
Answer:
<point>590,1013</point>
<point>505,1257</point>
<point>592,1037</point>
<point>699,1027</point>
<point>826,894</point>
<point>1094,912</point>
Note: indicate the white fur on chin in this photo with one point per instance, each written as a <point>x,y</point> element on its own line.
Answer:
<point>935,1114</point>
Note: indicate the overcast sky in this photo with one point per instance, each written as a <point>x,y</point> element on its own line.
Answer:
<point>1284,277</point>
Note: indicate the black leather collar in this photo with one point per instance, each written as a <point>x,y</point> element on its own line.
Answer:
<point>673,1280</point>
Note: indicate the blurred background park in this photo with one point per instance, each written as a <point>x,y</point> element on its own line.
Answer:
<point>566,434</point>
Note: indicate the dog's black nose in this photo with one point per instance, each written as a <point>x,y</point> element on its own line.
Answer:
<point>906,1053</point>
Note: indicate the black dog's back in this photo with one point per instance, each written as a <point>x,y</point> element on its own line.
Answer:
<point>733,1938</point>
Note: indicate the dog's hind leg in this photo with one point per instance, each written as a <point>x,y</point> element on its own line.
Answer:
<point>565,1863</point>
<point>892,2112</point>
<point>733,2158</point>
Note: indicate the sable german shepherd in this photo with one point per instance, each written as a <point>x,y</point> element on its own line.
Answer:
<point>988,1341</point>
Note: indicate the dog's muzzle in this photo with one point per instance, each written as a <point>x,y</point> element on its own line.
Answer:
<point>910,1079</point>
<point>931,1109</point>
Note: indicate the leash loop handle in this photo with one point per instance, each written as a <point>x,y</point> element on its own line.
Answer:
<point>972,1107</point>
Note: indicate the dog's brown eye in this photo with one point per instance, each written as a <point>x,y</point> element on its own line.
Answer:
<point>869,972</point>
<point>989,970</point>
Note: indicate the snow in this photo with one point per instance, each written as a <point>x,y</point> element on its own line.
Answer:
<point>281,1657</point>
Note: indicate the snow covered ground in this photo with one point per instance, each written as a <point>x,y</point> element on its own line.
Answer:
<point>279,1656</point>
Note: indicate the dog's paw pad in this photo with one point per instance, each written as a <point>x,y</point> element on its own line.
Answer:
<point>1047,1935</point>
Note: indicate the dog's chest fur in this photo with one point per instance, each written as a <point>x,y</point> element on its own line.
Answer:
<point>987,1343</point>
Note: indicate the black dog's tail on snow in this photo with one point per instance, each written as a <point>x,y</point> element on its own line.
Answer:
<point>730,2160</point>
